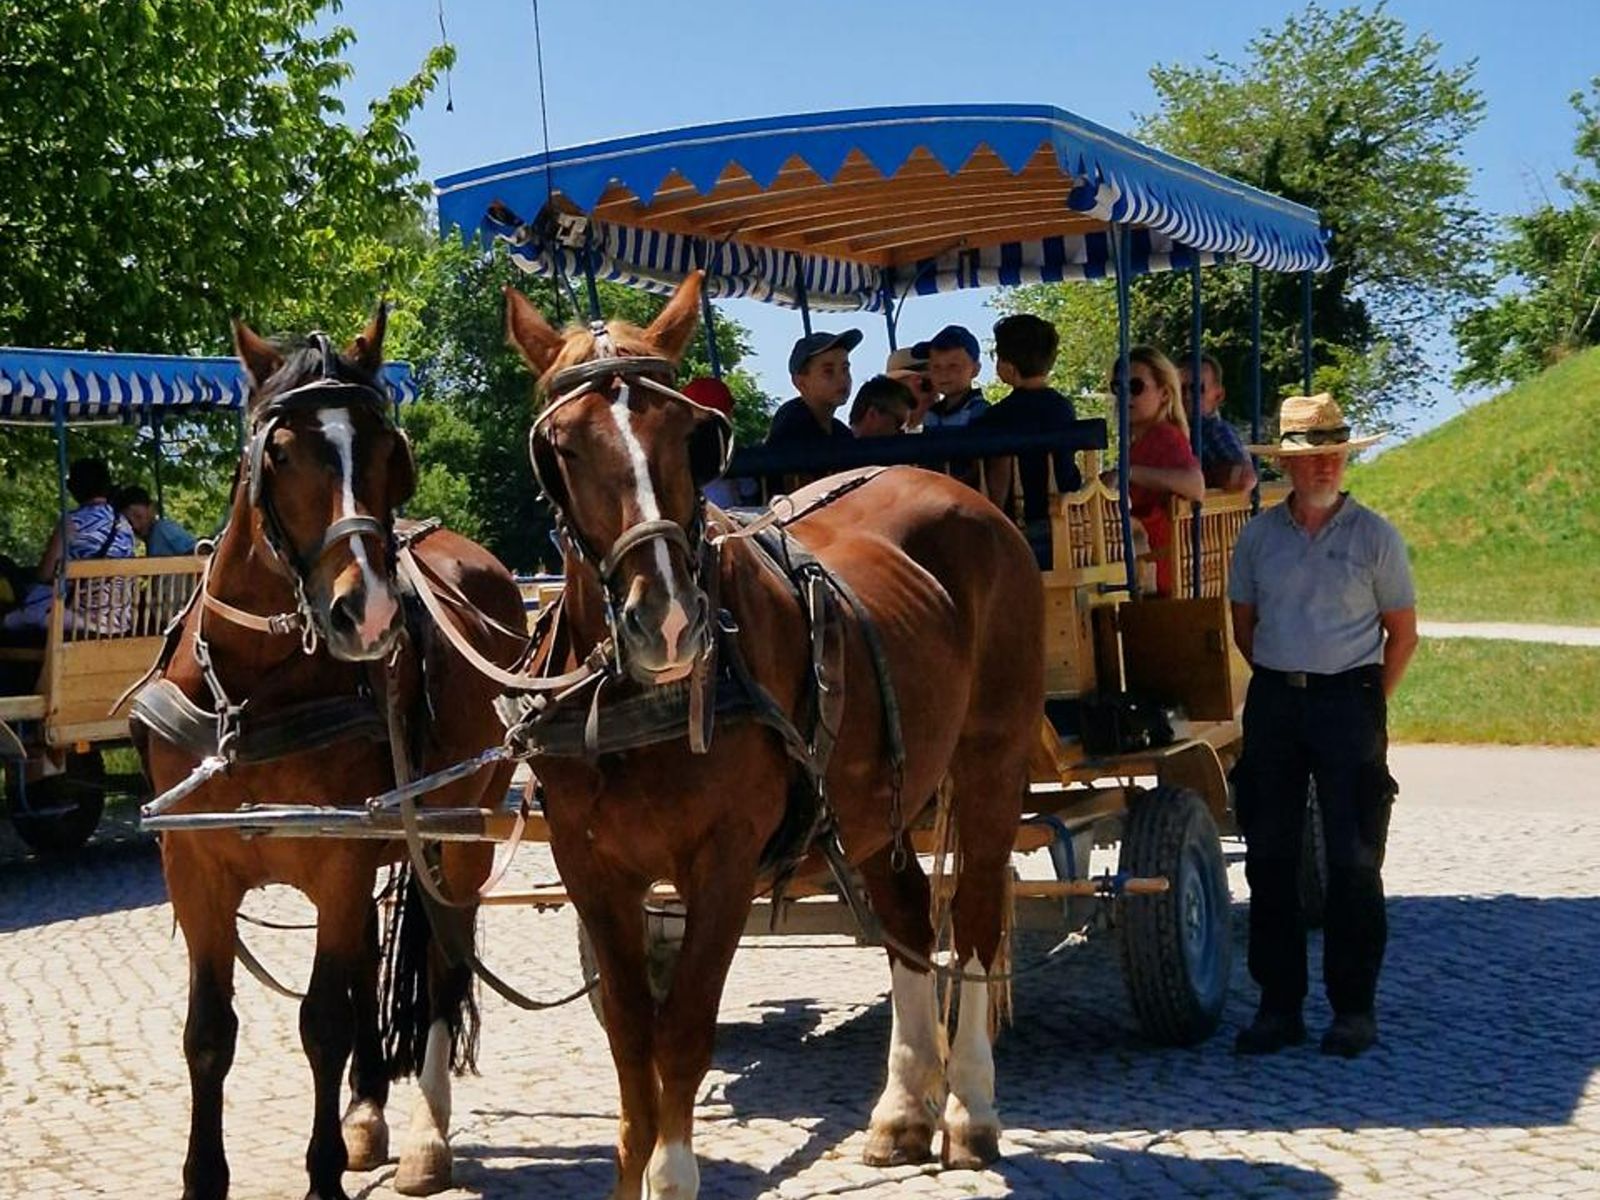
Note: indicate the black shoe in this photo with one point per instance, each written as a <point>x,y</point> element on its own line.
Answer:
<point>1350,1035</point>
<point>1269,1033</point>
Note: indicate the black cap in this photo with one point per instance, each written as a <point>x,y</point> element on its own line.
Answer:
<point>814,344</point>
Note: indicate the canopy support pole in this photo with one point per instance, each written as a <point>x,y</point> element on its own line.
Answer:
<point>155,465</point>
<point>1255,381</point>
<point>886,291</point>
<point>59,413</point>
<point>588,273</point>
<point>800,294</point>
<point>1119,236</point>
<point>1196,413</point>
<point>1305,330</point>
<point>708,315</point>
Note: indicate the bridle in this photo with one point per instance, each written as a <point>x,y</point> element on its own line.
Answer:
<point>613,375</point>
<point>328,390</point>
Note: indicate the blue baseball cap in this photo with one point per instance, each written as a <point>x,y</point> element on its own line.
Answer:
<point>956,337</point>
<point>814,344</point>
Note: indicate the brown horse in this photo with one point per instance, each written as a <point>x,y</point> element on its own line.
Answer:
<point>957,604</point>
<point>310,538</point>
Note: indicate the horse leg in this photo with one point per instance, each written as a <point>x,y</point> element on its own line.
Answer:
<point>612,911</point>
<point>901,1127</point>
<point>327,1030</point>
<point>988,805</point>
<point>364,1128</point>
<point>206,905</point>
<point>717,897</point>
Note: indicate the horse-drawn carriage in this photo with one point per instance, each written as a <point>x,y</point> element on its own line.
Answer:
<point>66,704</point>
<point>725,703</point>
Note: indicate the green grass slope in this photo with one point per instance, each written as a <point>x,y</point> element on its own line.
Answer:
<point>1501,505</point>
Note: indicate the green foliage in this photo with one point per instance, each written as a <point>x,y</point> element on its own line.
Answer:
<point>1554,254</point>
<point>471,431</point>
<point>1465,690</point>
<point>1349,113</point>
<point>1501,506</point>
<point>169,163</point>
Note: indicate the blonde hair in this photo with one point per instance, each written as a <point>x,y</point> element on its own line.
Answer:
<point>1166,375</point>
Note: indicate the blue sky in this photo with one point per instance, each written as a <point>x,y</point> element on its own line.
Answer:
<point>628,67</point>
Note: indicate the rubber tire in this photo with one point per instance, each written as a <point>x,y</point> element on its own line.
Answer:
<point>1176,946</point>
<point>661,958</point>
<point>82,785</point>
<point>1313,864</point>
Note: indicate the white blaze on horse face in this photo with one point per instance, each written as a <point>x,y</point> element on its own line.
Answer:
<point>677,618</point>
<point>916,1054</point>
<point>378,613</point>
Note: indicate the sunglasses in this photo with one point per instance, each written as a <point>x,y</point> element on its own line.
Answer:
<point>1135,386</point>
<point>1317,437</point>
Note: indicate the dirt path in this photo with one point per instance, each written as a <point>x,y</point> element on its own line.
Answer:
<point>1560,635</point>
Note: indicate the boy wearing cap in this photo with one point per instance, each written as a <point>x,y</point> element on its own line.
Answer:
<point>819,366</point>
<point>1325,612</point>
<point>953,361</point>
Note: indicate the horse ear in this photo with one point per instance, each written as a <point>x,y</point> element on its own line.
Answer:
<point>530,333</point>
<point>367,350</point>
<point>259,357</point>
<point>671,331</point>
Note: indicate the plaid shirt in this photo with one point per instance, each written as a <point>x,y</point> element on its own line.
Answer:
<point>1220,442</point>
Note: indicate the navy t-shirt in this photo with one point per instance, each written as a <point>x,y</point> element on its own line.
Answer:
<point>793,424</point>
<point>1035,410</point>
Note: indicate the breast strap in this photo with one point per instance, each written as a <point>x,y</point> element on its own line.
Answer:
<point>294,729</point>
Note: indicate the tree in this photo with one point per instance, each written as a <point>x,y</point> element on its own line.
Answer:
<point>471,428</point>
<point>1554,253</point>
<point>166,164</point>
<point>1348,113</point>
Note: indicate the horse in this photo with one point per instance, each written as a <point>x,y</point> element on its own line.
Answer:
<point>293,699</point>
<point>951,610</point>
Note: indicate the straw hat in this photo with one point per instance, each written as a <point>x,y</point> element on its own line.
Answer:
<point>1313,425</point>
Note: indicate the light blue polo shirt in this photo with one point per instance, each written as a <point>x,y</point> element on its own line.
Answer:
<point>1318,599</point>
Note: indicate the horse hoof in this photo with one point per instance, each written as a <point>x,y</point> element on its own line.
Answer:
<point>970,1148</point>
<point>366,1136</point>
<point>898,1145</point>
<point>424,1168</point>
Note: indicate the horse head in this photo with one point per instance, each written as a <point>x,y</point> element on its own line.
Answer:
<point>324,473</point>
<point>623,459</point>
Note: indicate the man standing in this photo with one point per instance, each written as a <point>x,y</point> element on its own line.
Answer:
<point>163,537</point>
<point>1223,457</point>
<point>1324,610</point>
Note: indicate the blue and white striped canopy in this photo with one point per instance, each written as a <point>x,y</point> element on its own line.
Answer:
<point>132,388</point>
<point>854,205</point>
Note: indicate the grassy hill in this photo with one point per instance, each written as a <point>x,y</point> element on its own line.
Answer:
<point>1501,505</point>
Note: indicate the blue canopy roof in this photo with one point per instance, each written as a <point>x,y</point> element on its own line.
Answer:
<point>132,388</point>
<point>931,198</point>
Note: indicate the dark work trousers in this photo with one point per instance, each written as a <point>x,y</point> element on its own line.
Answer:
<point>1331,728</point>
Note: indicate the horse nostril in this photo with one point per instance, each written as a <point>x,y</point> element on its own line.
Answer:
<point>632,623</point>
<point>343,614</point>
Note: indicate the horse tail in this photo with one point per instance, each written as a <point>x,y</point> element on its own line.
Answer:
<point>426,976</point>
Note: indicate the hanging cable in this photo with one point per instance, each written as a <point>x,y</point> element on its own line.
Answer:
<point>562,282</point>
<point>449,94</point>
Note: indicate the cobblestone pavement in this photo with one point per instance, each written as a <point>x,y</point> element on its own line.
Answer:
<point>1484,1083</point>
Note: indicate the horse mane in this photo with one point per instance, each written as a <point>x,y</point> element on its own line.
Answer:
<point>577,346</point>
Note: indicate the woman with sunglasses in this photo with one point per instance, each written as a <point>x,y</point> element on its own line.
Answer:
<point>1160,462</point>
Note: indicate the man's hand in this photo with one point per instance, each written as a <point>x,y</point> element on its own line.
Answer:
<point>1399,644</point>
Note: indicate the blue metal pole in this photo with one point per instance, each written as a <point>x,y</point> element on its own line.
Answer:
<point>886,291</point>
<point>1119,235</point>
<point>1196,413</point>
<point>1305,329</point>
<point>588,274</point>
<point>1255,381</point>
<point>800,293</point>
<point>155,433</point>
<point>708,315</point>
<point>59,413</point>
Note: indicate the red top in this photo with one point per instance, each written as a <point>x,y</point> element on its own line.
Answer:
<point>1162,445</point>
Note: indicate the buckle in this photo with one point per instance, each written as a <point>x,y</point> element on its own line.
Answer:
<point>1295,679</point>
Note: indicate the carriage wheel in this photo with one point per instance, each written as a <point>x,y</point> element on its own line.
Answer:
<point>663,938</point>
<point>1177,946</point>
<point>63,810</point>
<point>1313,863</point>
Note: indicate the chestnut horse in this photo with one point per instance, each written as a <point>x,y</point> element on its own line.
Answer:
<point>957,603</point>
<point>310,539</point>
